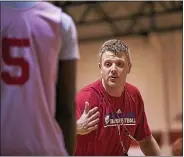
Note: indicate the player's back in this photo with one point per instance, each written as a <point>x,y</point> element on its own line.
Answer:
<point>30,48</point>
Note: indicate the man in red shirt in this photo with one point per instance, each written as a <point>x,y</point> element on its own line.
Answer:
<point>121,115</point>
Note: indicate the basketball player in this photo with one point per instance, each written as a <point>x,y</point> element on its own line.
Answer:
<point>37,37</point>
<point>121,108</point>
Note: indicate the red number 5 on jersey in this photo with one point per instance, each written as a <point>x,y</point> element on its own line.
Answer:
<point>7,43</point>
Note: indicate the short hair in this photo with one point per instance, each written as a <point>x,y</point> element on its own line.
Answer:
<point>116,46</point>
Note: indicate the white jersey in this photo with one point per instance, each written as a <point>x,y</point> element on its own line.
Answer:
<point>31,42</point>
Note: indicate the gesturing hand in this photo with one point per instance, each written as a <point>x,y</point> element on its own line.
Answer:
<point>88,120</point>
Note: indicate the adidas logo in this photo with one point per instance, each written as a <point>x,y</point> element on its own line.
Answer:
<point>119,111</point>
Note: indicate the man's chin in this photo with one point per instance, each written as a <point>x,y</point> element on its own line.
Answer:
<point>113,84</point>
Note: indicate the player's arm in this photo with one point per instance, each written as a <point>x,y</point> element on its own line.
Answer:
<point>143,134</point>
<point>66,83</point>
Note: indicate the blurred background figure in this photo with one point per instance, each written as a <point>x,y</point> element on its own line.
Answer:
<point>177,143</point>
<point>177,147</point>
<point>153,31</point>
<point>39,52</point>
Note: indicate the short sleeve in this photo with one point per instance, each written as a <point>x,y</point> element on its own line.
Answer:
<point>69,47</point>
<point>142,129</point>
<point>82,97</point>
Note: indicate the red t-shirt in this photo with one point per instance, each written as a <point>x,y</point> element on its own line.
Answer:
<point>127,110</point>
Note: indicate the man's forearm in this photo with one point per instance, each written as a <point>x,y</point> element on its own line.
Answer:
<point>150,147</point>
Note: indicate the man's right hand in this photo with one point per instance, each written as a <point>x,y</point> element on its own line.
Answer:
<point>88,120</point>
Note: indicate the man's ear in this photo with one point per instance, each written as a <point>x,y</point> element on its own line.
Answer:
<point>99,65</point>
<point>129,67</point>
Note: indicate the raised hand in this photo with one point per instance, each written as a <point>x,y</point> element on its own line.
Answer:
<point>88,120</point>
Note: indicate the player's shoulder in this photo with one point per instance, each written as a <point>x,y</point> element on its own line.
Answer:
<point>69,37</point>
<point>48,10</point>
<point>66,19</point>
<point>47,5</point>
<point>67,24</point>
<point>132,89</point>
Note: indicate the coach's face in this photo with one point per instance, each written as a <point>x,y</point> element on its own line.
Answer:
<point>114,68</point>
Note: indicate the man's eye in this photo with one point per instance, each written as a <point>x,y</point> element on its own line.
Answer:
<point>107,64</point>
<point>120,64</point>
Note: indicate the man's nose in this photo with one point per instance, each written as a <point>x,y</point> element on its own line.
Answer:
<point>114,68</point>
